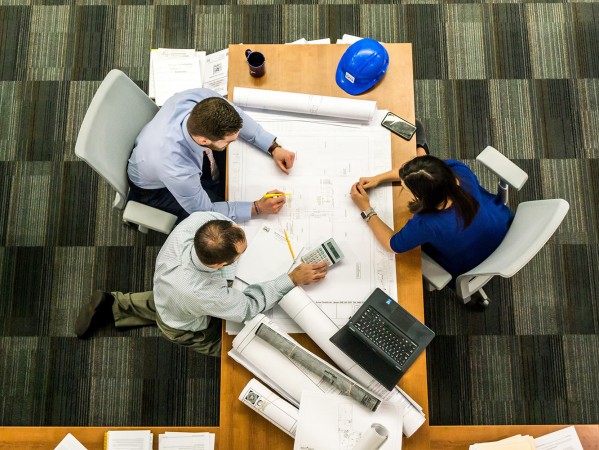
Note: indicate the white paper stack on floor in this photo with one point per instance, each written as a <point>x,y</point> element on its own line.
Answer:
<point>331,422</point>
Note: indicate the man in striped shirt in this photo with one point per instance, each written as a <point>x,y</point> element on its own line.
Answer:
<point>192,290</point>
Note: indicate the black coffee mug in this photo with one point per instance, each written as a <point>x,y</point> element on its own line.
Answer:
<point>257,63</point>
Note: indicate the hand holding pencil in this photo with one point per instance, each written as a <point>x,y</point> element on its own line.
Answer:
<point>270,203</point>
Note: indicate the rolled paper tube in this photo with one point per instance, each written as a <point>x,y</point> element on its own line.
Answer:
<point>373,438</point>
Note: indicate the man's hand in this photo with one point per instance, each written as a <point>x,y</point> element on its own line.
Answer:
<point>283,158</point>
<point>360,197</point>
<point>308,273</point>
<point>270,205</point>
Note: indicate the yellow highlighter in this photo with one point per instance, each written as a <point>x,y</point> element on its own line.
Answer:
<point>286,194</point>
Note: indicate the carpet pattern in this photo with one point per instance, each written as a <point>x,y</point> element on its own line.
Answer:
<point>519,75</point>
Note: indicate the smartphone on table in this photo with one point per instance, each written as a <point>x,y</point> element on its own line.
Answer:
<point>399,126</point>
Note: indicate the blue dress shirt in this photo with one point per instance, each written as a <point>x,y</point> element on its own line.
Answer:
<point>165,155</point>
<point>443,238</point>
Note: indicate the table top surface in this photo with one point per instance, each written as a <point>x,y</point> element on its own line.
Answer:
<point>310,69</point>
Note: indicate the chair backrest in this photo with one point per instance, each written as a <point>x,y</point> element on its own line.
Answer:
<point>533,225</point>
<point>116,115</point>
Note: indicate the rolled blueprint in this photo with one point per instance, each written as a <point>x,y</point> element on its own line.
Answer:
<point>343,108</point>
<point>270,406</point>
<point>300,355</point>
<point>373,438</point>
<point>316,324</point>
<point>276,368</point>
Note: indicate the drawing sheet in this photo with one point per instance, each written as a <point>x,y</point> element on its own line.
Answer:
<point>267,257</point>
<point>334,422</point>
<point>331,155</point>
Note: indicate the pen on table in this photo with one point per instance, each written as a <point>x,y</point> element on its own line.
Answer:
<point>286,194</point>
<point>289,244</point>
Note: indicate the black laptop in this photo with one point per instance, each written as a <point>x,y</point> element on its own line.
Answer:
<point>383,338</point>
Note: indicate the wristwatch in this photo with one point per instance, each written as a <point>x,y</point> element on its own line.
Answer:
<point>367,214</point>
<point>273,147</point>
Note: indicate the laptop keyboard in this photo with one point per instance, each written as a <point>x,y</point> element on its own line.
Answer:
<point>376,328</point>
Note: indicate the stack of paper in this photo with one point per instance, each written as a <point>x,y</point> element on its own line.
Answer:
<point>565,439</point>
<point>173,70</point>
<point>128,440</point>
<point>517,442</point>
<point>172,440</point>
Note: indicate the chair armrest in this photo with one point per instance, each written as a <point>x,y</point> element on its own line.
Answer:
<point>501,166</point>
<point>433,273</point>
<point>149,217</point>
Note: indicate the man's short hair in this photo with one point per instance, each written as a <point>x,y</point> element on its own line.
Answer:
<point>214,118</point>
<point>216,242</point>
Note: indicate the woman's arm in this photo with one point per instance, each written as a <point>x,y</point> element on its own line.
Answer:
<point>381,230</point>
<point>374,181</point>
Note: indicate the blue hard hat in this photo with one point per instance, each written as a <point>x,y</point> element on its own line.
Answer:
<point>362,66</point>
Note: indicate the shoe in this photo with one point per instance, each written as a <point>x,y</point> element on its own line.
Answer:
<point>421,137</point>
<point>94,314</point>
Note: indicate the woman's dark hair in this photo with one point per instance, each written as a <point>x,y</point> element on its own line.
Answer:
<point>216,241</point>
<point>433,184</point>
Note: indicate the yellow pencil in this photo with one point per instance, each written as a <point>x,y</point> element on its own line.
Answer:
<point>286,194</point>
<point>289,244</point>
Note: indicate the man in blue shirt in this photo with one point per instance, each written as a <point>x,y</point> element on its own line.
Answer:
<point>178,162</point>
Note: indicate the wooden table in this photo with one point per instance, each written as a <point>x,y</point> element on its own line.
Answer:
<point>311,69</point>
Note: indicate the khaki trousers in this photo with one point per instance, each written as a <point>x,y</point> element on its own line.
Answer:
<point>138,310</point>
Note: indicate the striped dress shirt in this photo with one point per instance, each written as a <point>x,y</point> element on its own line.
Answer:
<point>187,293</point>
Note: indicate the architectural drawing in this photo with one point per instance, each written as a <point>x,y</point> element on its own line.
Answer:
<point>330,157</point>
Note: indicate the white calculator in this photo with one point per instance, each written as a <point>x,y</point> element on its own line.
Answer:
<point>328,251</point>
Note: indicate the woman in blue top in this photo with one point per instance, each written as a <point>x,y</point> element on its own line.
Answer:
<point>456,221</point>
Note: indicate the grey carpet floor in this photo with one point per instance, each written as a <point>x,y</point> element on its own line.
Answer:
<point>521,76</point>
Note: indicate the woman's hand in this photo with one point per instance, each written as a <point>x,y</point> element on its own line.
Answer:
<point>369,182</point>
<point>359,196</point>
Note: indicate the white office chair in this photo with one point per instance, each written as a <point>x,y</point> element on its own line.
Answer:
<point>116,115</point>
<point>534,223</point>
